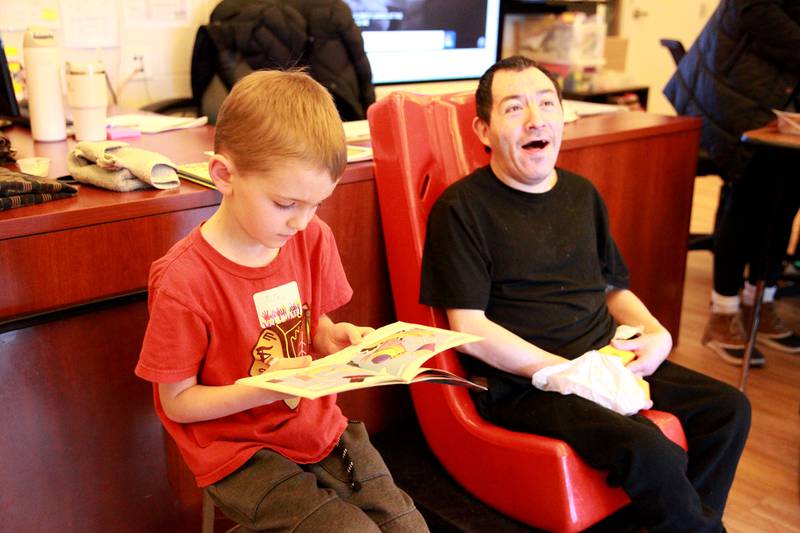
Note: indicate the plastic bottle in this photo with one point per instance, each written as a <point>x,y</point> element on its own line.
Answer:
<point>43,73</point>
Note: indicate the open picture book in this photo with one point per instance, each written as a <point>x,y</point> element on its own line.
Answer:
<point>391,355</point>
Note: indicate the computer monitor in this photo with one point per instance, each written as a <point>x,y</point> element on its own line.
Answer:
<point>9,108</point>
<point>428,40</point>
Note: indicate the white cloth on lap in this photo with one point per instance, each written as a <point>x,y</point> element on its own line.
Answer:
<point>600,378</point>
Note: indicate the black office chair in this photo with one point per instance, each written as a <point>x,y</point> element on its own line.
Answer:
<point>705,165</point>
<point>247,35</point>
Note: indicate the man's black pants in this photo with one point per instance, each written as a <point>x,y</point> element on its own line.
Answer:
<point>672,490</point>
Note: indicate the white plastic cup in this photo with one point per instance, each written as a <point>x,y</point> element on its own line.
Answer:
<point>86,95</point>
<point>43,74</point>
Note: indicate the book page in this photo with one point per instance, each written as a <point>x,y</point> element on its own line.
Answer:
<point>391,354</point>
<point>321,380</point>
<point>402,348</point>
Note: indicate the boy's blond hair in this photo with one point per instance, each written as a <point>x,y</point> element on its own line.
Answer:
<point>272,116</point>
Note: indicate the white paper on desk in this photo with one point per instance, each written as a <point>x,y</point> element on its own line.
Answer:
<point>788,122</point>
<point>153,123</point>
<point>356,130</point>
<point>573,109</point>
<point>358,153</point>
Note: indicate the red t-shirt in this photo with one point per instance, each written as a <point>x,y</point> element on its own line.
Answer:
<point>222,321</point>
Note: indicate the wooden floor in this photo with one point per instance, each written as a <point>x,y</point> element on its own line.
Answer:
<point>766,493</point>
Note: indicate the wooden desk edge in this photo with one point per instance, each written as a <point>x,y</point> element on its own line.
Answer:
<point>770,136</point>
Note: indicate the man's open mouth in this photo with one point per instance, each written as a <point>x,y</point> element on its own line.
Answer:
<point>535,145</point>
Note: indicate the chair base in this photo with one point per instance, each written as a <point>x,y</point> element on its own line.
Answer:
<point>444,504</point>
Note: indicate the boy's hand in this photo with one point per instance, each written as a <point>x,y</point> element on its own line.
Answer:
<point>651,350</point>
<point>339,335</point>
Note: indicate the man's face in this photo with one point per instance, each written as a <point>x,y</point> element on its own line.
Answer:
<point>525,129</point>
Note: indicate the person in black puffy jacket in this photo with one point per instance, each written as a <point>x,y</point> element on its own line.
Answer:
<point>744,64</point>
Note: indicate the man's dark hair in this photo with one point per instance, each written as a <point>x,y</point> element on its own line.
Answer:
<point>483,95</point>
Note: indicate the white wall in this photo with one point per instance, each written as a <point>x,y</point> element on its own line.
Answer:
<point>167,49</point>
<point>644,23</point>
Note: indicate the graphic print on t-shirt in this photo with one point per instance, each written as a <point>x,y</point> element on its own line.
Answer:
<point>284,322</point>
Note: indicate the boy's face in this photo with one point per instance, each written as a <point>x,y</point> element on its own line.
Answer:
<point>269,209</point>
<point>525,129</point>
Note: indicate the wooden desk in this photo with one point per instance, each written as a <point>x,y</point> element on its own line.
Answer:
<point>609,95</point>
<point>643,165</point>
<point>770,136</point>
<point>82,449</point>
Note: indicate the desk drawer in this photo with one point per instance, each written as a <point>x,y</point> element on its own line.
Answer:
<point>61,269</point>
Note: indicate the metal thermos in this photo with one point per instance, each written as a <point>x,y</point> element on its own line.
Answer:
<point>43,74</point>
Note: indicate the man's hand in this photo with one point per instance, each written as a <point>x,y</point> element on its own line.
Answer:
<point>651,350</point>
<point>332,337</point>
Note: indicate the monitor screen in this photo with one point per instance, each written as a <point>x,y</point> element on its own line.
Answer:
<point>8,100</point>
<point>428,40</point>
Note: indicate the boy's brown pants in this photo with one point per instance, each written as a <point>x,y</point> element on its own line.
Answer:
<point>273,493</point>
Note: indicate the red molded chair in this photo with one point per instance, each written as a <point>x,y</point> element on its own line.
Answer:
<point>421,145</point>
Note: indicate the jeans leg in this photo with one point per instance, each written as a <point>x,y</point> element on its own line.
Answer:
<point>272,493</point>
<point>378,496</point>
<point>716,419</point>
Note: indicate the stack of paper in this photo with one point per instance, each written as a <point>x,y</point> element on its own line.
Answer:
<point>196,173</point>
<point>356,130</point>
<point>573,109</point>
<point>358,153</point>
<point>153,123</point>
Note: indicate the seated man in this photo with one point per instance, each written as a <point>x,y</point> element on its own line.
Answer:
<point>520,253</point>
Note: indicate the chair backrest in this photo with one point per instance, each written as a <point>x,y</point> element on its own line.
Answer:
<point>675,48</point>
<point>435,146</point>
<point>438,147</point>
<point>421,145</point>
<point>247,35</point>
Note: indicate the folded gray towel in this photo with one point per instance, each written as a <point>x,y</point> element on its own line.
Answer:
<point>117,166</point>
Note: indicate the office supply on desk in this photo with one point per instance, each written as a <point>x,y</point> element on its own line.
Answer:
<point>35,166</point>
<point>87,98</point>
<point>154,123</point>
<point>586,109</point>
<point>358,153</point>
<point>788,122</point>
<point>575,109</point>
<point>356,130</point>
<point>43,71</point>
<point>113,134</point>
<point>196,173</point>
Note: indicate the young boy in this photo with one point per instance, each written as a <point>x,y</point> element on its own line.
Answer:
<point>248,292</point>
